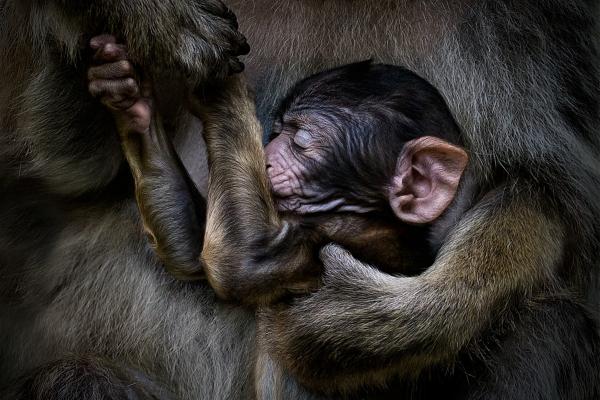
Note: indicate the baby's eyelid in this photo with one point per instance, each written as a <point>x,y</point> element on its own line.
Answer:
<point>303,138</point>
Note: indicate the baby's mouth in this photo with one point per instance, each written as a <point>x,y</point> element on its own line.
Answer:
<point>296,205</point>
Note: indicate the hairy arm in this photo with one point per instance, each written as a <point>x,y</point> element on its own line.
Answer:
<point>171,209</point>
<point>364,326</point>
<point>250,253</point>
<point>63,137</point>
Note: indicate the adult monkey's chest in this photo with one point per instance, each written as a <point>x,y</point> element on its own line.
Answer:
<point>293,39</point>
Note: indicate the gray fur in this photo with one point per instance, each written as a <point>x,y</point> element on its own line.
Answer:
<point>77,273</point>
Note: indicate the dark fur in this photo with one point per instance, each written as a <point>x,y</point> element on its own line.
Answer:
<point>529,113</point>
<point>79,277</point>
<point>367,328</point>
<point>86,378</point>
<point>372,110</point>
<point>541,170</point>
<point>262,259</point>
<point>375,109</point>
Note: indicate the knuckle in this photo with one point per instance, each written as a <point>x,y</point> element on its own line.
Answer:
<point>130,83</point>
<point>94,89</point>
<point>125,67</point>
<point>108,48</point>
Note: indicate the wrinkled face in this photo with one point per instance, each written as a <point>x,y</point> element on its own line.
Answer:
<point>299,164</point>
<point>300,159</point>
<point>291,156</point>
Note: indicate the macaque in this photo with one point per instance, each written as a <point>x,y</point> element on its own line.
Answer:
<point>508,308</point>
<point>363,155</point>
<point>365,141</point>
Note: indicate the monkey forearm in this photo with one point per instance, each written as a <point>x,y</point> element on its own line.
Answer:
<point>498,251</point>
<point>243,252</point>
<point>239,189</point>
<point>172,210</point>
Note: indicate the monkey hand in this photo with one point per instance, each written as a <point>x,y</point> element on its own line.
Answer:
<point>113,80</point>
<point>209,45</point>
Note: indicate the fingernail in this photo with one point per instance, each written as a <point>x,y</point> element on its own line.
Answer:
<point>244,48</point>
<point>236,67</point>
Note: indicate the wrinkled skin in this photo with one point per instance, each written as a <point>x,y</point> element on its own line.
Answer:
<point>291,157</point>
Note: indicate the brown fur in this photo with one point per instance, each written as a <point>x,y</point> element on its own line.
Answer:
<point>78,276</point>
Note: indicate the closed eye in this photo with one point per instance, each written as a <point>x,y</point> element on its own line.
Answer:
<point>303,138</point>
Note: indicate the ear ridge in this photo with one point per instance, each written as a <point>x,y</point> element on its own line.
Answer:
<point>427,176</point>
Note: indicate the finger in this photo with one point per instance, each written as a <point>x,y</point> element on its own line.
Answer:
<point>217,8</point>
<point>114,89</point>
<point>114,70</point>
<point>231,17</point>
<point>99,41</point>
<point>242,48</point>
<point>111,52</point>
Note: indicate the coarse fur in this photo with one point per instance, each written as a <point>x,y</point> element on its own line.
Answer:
<point>360,117</point>
<point>364,328</point>
<point>252,254</point>
<point>78,276</point>
<point>529,113</point>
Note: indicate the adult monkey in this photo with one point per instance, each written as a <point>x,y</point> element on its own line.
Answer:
<point>395,323</point>
<point>523,73</point>
<point>529,110</point>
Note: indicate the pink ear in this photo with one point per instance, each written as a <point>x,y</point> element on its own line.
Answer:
<point>427,176</point>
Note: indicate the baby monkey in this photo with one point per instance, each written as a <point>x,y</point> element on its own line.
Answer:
<point>364,155</point>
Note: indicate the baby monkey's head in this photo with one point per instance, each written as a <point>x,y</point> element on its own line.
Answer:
<point>365,138</point>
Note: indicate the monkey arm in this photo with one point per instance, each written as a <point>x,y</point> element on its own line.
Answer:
<point>249,253</point>
<point>172,210</point>
<point>364,326</point>
<point>195,38</point>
